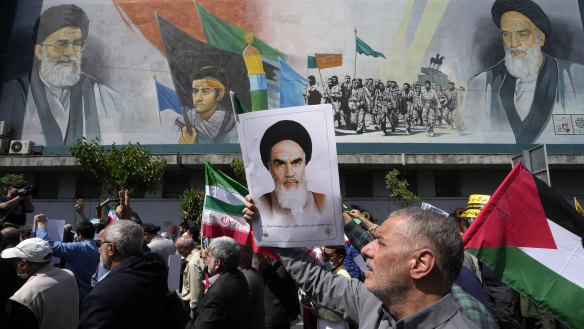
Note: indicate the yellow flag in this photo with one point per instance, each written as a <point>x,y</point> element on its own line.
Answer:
<point>578,207</point>
<point>328,60</point>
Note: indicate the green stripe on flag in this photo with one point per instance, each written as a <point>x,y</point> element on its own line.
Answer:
<point>227,36</point>
<point>222,207</point>
<point>312,62</point>
<point>218,178</point>
<point>238,105</point>
<point>528,276</point>
<point>259,100</point>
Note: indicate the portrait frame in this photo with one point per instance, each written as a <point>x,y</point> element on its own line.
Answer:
<point>314,226</point>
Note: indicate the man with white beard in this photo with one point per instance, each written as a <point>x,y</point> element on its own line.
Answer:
<point>525,97</point>
<point>57,103</point>
<point>286,149</point>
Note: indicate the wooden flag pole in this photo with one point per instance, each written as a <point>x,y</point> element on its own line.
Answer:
<point>355,68</point>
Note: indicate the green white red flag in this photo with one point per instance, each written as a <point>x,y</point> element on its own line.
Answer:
<point>532,238</point>
<point>223,210</point>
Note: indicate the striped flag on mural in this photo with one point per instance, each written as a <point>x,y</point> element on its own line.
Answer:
<point>223,210</point>
<point>257,76</point>
<point>532,238</point>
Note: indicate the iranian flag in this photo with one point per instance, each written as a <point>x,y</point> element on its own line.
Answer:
<point>223,210</point>
<point>532,238</point>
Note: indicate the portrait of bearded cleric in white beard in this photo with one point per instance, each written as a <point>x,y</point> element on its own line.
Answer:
<point>286,149</point>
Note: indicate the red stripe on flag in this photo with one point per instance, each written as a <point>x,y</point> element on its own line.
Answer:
<point>216,230</point>
<point>513,217</point>
<point>266,251</point>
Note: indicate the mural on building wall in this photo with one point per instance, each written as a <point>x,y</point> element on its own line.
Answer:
<point>395,71</point>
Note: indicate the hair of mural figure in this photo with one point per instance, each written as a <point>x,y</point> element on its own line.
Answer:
<point>355,67</point>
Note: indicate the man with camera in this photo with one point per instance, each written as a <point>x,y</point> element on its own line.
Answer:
<point>15,205</point>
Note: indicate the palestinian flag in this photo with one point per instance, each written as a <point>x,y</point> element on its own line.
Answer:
<point>223,210</point>
<point>532,238</point>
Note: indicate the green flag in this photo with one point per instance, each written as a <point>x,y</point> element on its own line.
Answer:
<point>226,36</point>
<point>312,62</point>
<point>363,48</point>
<point>238,106</point>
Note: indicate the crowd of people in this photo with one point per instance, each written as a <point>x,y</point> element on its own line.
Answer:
<point>387,105</point>
<point>409,272</point>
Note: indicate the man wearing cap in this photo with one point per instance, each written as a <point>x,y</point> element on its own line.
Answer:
<point>524,97</point>
<point>49,298</point>
<point>212,122</point>
<point>57,103</point>
<point>286,149</point>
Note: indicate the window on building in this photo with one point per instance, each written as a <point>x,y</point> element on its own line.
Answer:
<point>447,183</point>
<point>358,184</point>
<point>87,186</point>
<point>175,183</point>
<point>46,185</point>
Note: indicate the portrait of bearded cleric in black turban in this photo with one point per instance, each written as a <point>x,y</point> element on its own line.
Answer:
<point>526,97</point>
<point>286,149</point>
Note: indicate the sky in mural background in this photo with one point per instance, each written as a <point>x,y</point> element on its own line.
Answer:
<point>125,49</point>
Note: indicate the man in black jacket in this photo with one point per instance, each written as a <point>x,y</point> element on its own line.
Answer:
<point>226,304</point>
<point>133,294</point>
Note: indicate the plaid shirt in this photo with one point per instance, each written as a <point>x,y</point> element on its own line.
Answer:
<point>473,309</point>
<point>357,235</point>
<point>349,262</point>
<point>468,305</point>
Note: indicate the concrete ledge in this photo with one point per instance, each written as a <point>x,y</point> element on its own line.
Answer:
<point>367,160</point>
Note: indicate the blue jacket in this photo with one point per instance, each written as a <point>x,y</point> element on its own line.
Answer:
<point>81,258</point>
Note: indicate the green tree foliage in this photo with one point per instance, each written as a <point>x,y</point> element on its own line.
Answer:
<point>128,167</point>
<point>192,201</point>
<point>238,169</point>
<point>8,180</point>
<point>398,189</point>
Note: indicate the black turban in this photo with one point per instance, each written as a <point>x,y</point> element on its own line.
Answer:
<point>526,7</point>
<point>58,17</point>
<point>285,130</point>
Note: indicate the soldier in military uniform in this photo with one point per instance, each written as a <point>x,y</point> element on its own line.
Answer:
<point>406,106</point>
<point>393,105</point>
<point>346,90</point>
<point>430,104</point>
<point>417,104</point>
<point>450,113</point>
<point>358,103</point>
<point>442,100</point>
<point>312,95</point>
<point>335,95</point>
<point>382,99</point>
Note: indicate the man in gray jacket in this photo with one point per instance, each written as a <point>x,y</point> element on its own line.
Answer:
<point>413,261</point>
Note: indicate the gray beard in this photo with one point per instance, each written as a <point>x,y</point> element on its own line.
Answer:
<point>60,76</point>
<point>292,198</point>
<point>522,68</point>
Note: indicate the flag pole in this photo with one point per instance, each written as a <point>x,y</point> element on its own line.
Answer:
<point>355,68</point>
<point>159,120</point>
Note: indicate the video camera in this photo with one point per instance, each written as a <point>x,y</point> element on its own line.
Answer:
<point>28,189</point>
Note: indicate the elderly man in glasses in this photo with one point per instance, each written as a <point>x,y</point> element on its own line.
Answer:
<point>57,103</point>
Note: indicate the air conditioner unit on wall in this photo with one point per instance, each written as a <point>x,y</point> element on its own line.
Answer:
<point>21,147</point>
